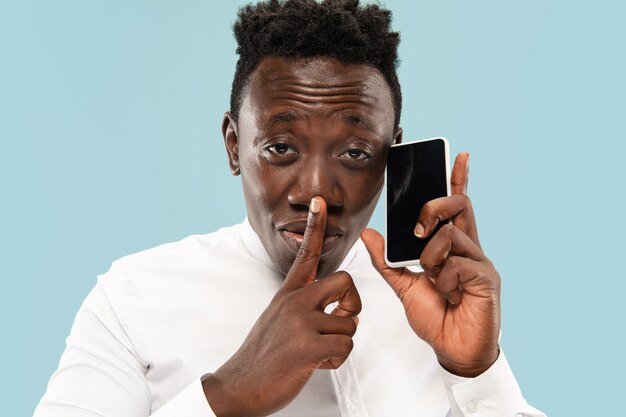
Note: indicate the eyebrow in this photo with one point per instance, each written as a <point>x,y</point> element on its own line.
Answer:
<point>359,121</point>
<point>284,117</point>
<point>292,116</point>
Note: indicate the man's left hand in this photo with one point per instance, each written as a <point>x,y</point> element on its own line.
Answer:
<point>454,305</point>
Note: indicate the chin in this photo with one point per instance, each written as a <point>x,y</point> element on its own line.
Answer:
<point>324,268</point>
<point>328,263</point>
<point>327,267</point>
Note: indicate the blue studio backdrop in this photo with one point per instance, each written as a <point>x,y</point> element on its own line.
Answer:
<point>110,143</point>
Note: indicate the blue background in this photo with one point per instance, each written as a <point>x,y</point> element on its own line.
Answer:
<point>110,143</point>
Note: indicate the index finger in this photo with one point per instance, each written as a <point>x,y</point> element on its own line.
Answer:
<point>303,271</point>
<point>460,174</point>
<point>449,241</point>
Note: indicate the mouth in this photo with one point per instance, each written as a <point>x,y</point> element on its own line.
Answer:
<point>293,235</point>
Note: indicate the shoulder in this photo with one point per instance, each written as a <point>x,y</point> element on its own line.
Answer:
<point>189,246</point>
<point>159,268</point>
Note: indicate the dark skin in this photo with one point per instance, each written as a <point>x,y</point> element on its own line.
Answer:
<point>454,305</point>
<point>305,129</point>
<point>311,145</point>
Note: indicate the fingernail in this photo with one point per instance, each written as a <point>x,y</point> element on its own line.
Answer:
<point>419,230</point>
<point>314,206</point>
<point>454,298</point>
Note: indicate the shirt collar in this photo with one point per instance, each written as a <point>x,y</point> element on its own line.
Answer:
<point>252,243</point>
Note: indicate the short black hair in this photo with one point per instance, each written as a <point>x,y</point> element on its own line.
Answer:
<point>341,29</point>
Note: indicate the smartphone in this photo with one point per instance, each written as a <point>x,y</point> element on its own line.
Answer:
<point>416,173</point>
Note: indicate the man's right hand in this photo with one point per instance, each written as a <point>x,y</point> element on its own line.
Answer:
<point>293,336</point>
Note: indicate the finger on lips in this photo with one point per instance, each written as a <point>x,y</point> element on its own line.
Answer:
<point>303,271</point>
<point>337,287</point>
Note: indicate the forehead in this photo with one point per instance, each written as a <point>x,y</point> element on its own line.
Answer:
<point>322,85</point>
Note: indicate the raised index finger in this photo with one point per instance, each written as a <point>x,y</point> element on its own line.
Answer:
<point>303,271</point>
<point>460,174</point>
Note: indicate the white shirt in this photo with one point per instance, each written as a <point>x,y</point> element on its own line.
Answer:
<point>160,319</point>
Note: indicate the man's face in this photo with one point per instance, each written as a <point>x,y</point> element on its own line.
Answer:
<point>311,127</point>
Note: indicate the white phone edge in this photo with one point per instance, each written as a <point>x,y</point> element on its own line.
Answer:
<point>416,262</point>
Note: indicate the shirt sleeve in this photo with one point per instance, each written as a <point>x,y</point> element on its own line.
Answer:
<point>494,393</point>
<point>100,375</point>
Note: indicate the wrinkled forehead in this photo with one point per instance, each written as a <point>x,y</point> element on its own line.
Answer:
<point>318,82</point>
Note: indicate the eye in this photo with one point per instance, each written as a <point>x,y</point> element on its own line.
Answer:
<point>355,155</point>
<point>280,149</point>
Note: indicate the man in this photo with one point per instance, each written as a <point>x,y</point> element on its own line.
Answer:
<point>261,318</point>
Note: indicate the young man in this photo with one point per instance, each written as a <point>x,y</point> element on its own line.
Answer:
<point>262,317</point>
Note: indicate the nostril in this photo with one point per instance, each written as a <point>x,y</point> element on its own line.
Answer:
<point>331,207</point>
<point>299,206</point>
<point>334,208</point>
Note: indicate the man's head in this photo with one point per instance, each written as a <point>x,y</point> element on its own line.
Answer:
<point>315,106</point>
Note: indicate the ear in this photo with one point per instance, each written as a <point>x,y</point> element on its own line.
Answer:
<point>398,138</point>
<point>231,141</point>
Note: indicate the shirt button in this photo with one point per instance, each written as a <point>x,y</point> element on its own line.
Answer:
<point>351,406</point>
<point>472,407</point>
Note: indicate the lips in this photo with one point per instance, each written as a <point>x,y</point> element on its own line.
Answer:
<point>293,234</point>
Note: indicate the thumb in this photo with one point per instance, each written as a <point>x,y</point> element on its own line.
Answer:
<point>399,279</point>
<point>375,245</point>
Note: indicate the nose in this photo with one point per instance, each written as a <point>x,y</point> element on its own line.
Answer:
<point>315,178</point>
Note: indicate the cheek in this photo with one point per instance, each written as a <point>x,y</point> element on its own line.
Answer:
<point>362,192</point>
<point>264,185</point>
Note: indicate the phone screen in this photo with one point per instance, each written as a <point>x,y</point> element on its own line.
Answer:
<point>416,173</point>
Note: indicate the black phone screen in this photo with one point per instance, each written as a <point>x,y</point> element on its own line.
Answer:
<point>416,174</point>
